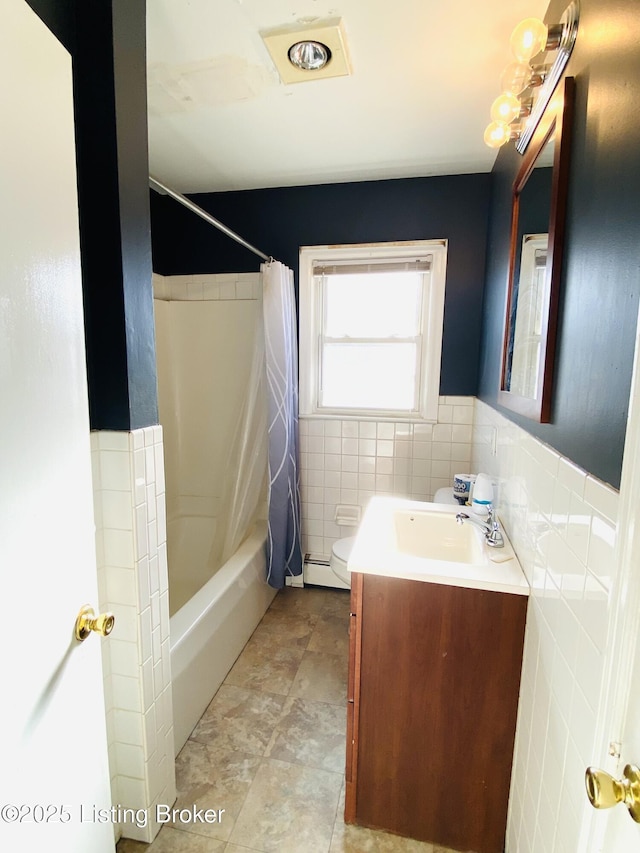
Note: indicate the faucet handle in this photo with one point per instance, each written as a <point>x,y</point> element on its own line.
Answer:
<point>494,537</point>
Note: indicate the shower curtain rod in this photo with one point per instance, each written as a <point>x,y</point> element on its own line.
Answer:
<point>161,188</point>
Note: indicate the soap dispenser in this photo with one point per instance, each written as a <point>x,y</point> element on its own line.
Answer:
<point>482,497</point>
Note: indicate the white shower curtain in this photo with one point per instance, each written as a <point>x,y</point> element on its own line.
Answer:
<point>284,550</point>
<point>243,489</point>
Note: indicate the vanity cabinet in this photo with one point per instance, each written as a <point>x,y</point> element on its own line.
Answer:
<point>434,675</point>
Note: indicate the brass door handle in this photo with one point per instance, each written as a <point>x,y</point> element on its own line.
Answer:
<point>87,621</point>
<point>604,791</point>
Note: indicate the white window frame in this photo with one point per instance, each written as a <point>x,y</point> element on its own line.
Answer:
<point>310,324</point>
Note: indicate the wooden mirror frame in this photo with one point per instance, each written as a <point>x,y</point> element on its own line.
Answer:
<point>556,120</point>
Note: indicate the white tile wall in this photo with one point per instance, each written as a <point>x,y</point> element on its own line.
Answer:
<point>214,287</point>
<point>563,525</point>
<point>349,461</point>
<point>129,496</point>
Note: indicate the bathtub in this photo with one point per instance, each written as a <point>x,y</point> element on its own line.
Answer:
<point>210,630</point>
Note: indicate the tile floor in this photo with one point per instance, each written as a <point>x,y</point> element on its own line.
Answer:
<point>269,749</point>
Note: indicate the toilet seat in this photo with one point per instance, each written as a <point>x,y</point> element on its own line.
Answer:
<point>340,553</point>
<point>444,496</point>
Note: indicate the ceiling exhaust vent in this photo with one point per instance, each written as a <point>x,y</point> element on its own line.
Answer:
<point>314,52</point>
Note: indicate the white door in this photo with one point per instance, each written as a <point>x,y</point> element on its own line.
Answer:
<point>618,733</point>
<point>53,752</point>
<point>622,833</point>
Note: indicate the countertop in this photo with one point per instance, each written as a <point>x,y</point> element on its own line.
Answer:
<point>376,551</point>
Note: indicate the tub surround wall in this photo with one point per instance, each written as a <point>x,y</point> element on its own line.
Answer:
<point>194,346</point>
<point>129,500</point>
<point>562,522</point>
<point>219,287</point>
<point>204,356</point>
<point>349,461</point>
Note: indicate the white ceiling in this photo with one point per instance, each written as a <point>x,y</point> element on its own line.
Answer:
<point>424,74</point>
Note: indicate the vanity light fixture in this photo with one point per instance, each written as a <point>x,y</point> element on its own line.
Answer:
<point>527,87</point>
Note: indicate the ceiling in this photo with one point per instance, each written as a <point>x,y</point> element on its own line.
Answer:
<point>424,74</point>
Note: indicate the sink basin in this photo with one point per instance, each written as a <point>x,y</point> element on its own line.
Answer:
<point>437,536</point>
<point>418,540</point>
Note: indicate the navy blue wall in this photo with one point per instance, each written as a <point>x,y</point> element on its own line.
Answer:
<point>601,280</point>
<point>107,44</point>
<point>279,221</point>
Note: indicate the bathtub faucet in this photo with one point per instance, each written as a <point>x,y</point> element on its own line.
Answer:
<point>491,529</point>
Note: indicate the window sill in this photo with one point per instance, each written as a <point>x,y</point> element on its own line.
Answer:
<point>354,416</point>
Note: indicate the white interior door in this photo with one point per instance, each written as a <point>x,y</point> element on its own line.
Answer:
<point>53,737</point>
<point>622,833</point>
<point>618,738</point>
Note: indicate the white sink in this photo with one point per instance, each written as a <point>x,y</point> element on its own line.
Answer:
<point>436,536</point>
<point>417,540</point>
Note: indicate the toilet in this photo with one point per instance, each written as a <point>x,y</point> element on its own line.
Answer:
<point>342,548</point>
<point>339,558</point>
<point>444,496</point>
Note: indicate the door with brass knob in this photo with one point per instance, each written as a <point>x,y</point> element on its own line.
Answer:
<point>53,738</point>
<point>604,791</point>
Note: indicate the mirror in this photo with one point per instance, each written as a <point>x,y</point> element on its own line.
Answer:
<point>538,207</point>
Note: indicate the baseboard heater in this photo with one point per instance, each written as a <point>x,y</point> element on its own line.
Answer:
<point>315,561</point>
<point>317,572</point>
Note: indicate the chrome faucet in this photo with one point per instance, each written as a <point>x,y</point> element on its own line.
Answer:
<point>491,529</point>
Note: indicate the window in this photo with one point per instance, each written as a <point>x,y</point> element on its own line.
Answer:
<point>371,329</point>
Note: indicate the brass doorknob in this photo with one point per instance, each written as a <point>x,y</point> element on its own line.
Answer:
<point>87,622</point>
<point>604,791</point>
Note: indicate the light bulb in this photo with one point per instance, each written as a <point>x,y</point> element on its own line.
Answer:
<point>505,108</point>
<point>528,39</point>
<point>515,78</point>
<point>309,55</point>
<point>497,134</point>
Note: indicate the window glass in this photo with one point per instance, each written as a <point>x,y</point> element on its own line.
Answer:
<point>372,305</point>
<point>369,376</point>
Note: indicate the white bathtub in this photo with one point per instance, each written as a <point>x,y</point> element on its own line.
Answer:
<point>210,630</point>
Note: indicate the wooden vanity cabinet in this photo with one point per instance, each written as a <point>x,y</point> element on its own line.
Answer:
<point>434,675</point>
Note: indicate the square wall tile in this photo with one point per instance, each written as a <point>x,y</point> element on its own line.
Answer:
<point>132,570</point>
<point>115,471</point>
<point>362,458</point>
<point>563,525</point>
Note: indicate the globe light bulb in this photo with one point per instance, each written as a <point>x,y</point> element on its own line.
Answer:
<point>497,134</point>
<point>515,78</point>
<point>505,108</point>
<point>528,39</point>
